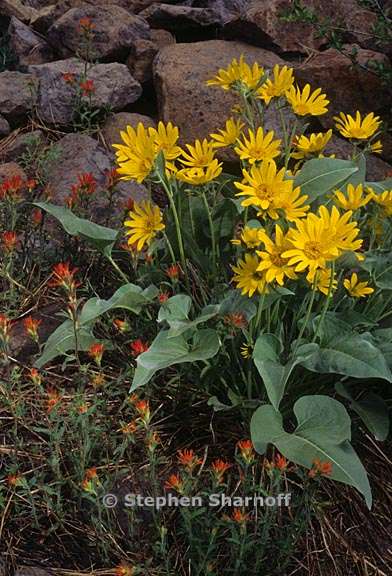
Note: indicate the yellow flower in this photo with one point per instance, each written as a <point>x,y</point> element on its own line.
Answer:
<point>291,204</point>
<point>384,200</point>
<point>322,281</point>
<point>199,176</point>
<point>251,237</point>
<point>262,184</point>
<point>137,155</point>
<point>247,277</point>
<point>229,135</point>
<point>353,198</point>
<point>272,263</point>
<point>357,128</point>
<point>238,75</point>
<point>342,232</point>
<point>376,147</point>
<point>258,146</point>
<point>200,155</point>
<point>355,288</point>
<point>165,140</point>
<point>309,145</point>
<point>321,238</point>
<point>145,220</point>
<point>304,103</point>
<point>246,351</point>
<point>283,79</point>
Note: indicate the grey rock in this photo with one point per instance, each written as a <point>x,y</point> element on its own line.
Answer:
<point>78,154</point>
<point>179,18</point>
<point>17,93</point>
<point>114,32</point>
<point>50,326</point>
<point>114,87</point>
<point>18,144</point>
<point>4,127</point>
<point>118,122</point>
<point>180,75</point>
<point>29,47</point>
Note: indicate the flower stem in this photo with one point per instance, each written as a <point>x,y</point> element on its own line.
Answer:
<point>213,240</point>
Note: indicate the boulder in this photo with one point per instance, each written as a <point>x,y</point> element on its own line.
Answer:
<point>28,47</point>
<point>113,87</point>
<point>18,144</point>
<point>376,168</point>
<point>4,127</point>
<point>225,10</point>
<point>34,570</point>
<point>274,23</point>
<point>117,122</point>
<point>18,9</point>
<point>348,87</point>
<point>17,92</point>
<point>179,19</point>
<point>113,34</point>
<point>11,169</point>
<point>180,75</point>
<point>143,53</point>
<point>78,154</point>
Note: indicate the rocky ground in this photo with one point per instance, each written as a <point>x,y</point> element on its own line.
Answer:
<point>150,61</point>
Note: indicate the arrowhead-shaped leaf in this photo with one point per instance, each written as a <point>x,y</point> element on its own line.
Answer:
<point>323,433</point>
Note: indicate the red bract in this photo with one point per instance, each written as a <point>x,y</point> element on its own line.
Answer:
<point>69,78</point>
<point>112,178</point>
<point>138,347</point>
<point>96,352</point>
<point>9,240</point>
<point>64,276</point>
<point>87,87</point>
<point>85,24</point>
<point>5,328</point>
<point>31,326</point>
<point>173,271</point>
<point>11,188</point>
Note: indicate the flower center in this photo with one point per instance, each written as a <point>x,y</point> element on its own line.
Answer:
<point>313,250</point>
<point>264,193</point>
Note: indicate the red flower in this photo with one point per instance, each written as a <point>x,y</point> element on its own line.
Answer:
<point>138,347</point>
<point>174,482</point>
<point>188,459</point>
<point>163,297</point>
<point>96,352</point>
<point>319,468</point>
<point>246,450</point>
<point>10,240</point>
<point>35,376</point>
<point>36,216</point>
<point>281,462</point>
<point>85,24</point>
<point>69,78</point>
<point>124,570</point>
<point>11,188</point>
<point>235,320</point>
<point>121,325</point>
<point>143,408</point>
<point>64,276</point>
<point>239,516</point>
<point>31,326</point>
<point>112,178</point>
<point>173,271</point>
<point>53,400</point>
<point>219,467</point>
<point>87,87</point>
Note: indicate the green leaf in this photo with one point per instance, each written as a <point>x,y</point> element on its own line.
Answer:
<point>129,296</point>
<point>379,187</point>
<point>323,433</point>
<point>372,410</point>
<point>166,351</point>
<point>352,355</point>
<point>320,175</point>
<point>274,374</point>
<point>62,340</point>
<point>379,265</point>
<point>235,303</point>
<point>101,237</point>
<point>175,312</point>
